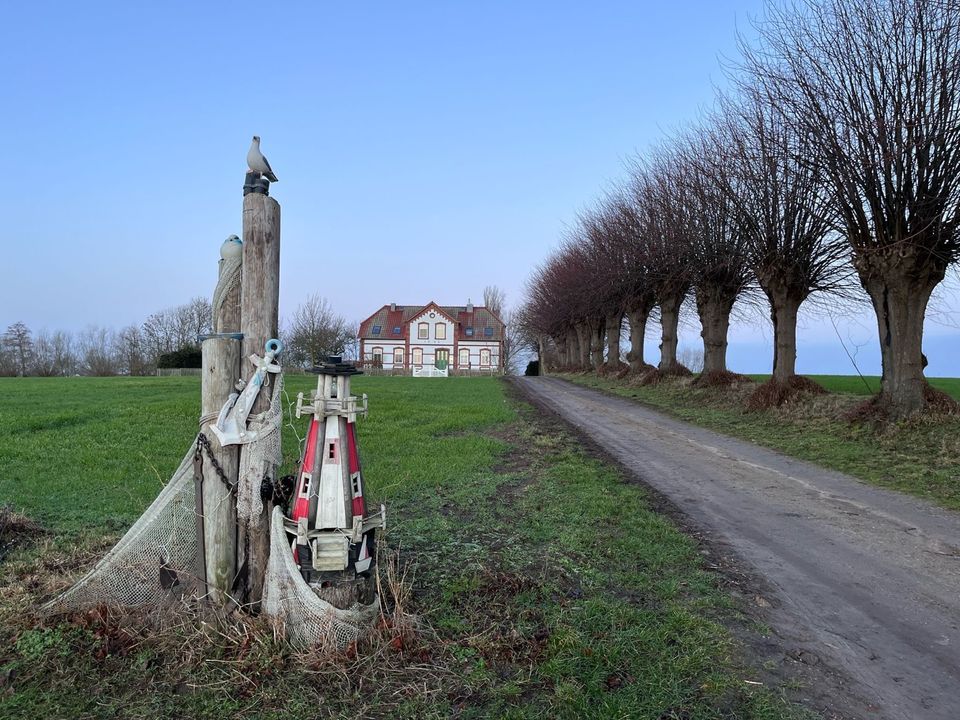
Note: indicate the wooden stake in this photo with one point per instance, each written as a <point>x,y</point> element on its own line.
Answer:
<point>221,368</point>
<point>259,320</point>
<point>221,363</point>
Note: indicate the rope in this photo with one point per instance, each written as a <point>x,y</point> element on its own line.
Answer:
<point>229,279</point>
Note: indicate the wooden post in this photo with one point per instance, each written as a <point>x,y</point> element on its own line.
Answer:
<point>259,320</point>
<point>221,363</point>
<point>221,368</point>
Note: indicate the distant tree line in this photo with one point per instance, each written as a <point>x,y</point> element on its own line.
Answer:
<point>166,339</point>
<point>102,351</point>
<point>833,163</point>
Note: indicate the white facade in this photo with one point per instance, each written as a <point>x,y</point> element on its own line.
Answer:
<point>432,337</point>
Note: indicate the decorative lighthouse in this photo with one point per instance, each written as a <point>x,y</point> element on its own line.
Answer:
<point>334,538</point>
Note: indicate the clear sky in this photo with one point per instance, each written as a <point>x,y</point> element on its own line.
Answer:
<point>424,150</point>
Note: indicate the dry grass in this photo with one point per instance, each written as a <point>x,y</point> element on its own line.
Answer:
<point>655,376</point>
<point>774,393</point>
<point>720,378</point>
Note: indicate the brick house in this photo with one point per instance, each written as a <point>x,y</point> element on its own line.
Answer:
<point>401,337</point>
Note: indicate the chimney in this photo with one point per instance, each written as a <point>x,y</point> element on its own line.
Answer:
<point>393,307</point>
<point>469,306</point>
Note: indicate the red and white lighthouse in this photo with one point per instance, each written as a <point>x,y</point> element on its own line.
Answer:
<point>333,535</point>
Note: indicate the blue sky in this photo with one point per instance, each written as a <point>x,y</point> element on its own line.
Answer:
<point>424,150</point>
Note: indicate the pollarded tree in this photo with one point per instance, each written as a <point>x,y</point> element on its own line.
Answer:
<point>720,268</point>
<point>607,252</point>
<point>876,83</point>
<point>783,211</point>
<point>632,234</point>
<point>663,209</point>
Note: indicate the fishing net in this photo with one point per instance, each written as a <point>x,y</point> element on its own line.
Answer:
<point>260,458</point>
<point>290,601</point>
<point>155,561</point>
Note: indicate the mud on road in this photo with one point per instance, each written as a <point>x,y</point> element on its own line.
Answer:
<point>860,580</point>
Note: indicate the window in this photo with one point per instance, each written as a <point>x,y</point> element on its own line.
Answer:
<point>464,357</point>
<point>484,358</point>
<point>396,330</point>
<point>423,331</point>
<point>469,332</point>
<point>418,356</point>
<point>488,331</point>
<point>440,330</point>
<point>376,329</point>
<point>398,356</point>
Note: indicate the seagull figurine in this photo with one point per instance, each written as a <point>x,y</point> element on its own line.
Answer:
<point>257,162</point>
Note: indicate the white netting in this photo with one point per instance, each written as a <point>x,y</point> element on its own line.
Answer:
<point>155,560</point>
<point>288,599</point>
<point>261,457</point>
<point>229,279</point>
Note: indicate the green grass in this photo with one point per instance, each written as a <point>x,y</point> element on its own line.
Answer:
<point>919,456</point>
<point>870,384</point>
<point>548,585</point>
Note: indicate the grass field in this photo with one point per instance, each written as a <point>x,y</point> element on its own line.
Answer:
<point>870,384</point>
<point>920,456</point>
<point>545,585</point>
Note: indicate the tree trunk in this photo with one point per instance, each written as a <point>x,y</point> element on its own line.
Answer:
<point>596,343</point>
<point>783,312</point>
<point>541,355</point>
<point>900,305</point>
<point>613,340</point>
<point>669,320</point>
<point>638,328</point>
<point>714,311</point>
<point>583,344</point>
<point>573,350</point>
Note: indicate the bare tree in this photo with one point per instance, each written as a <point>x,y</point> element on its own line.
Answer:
<point>130,352</point>
<point>54,354</point>
<point>18,342</point>
<point>494,299</point>
<point>876,84</point>
<point>783,212</point>
<point>661,199</point>
<point>720,269</point>
<point>632,234</point>
<point>316,331</point>
<point>96,351</point>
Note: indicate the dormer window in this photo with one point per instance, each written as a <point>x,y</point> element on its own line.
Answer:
<point>376,329</point>
<point>488,331</point>
<point>396,330</point>
<point>469,332</point>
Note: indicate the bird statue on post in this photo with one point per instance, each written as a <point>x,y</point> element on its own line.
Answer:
<point>232,248</point>
<point>257,162</point>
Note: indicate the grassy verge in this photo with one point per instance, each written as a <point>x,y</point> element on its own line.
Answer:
<point>870,384</point>
<point>920,457</point>
<point>546,586</point>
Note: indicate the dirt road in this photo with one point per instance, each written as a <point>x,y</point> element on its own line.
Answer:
<point>863,579</point>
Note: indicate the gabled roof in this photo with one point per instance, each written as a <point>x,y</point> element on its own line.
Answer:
<point>479,318</point>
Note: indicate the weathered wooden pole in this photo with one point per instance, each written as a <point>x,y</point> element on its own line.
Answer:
<point>221,368</point>
<point>259,320</point>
